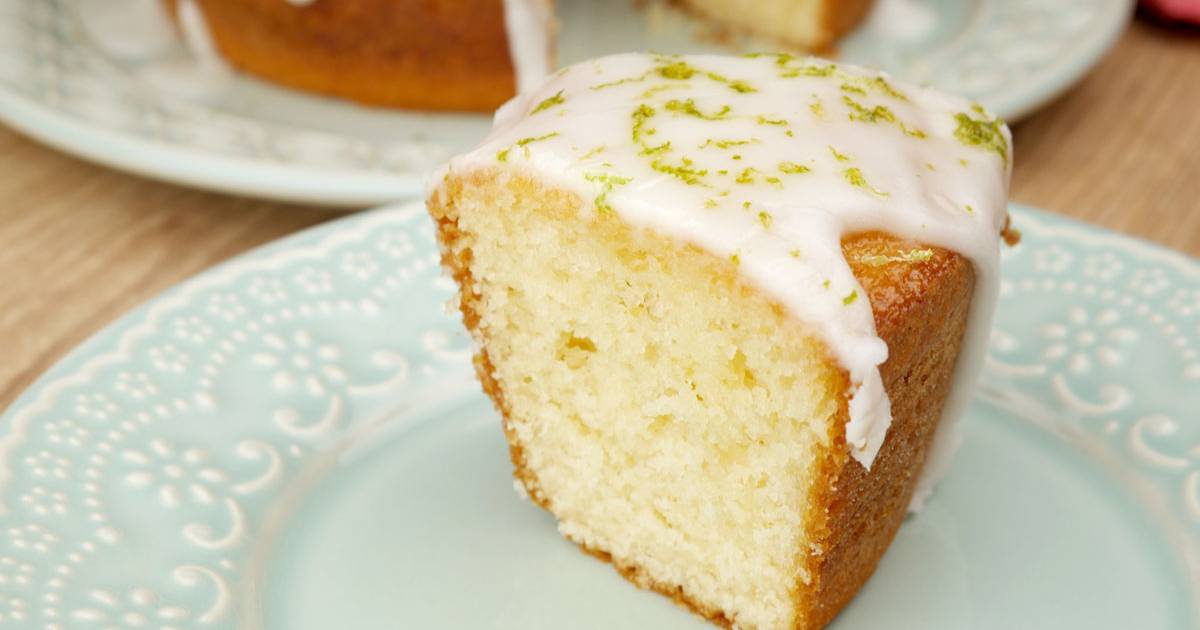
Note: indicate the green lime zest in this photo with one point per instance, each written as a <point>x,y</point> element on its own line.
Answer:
<point>663,87</point>
<point>662,148</point>
<point>608,181</point>
<point>746,176</point>
<point>982,133</point>
<point>881,84</point>
<point>727,144</point>
<point>689,108</point>
<point>876,114</point>
<point>685,171</point>
<point>856,178</point>
<point>523,143</point>
<point>594,152</point>
<point>792,168</point>
<point>552,101</point>
<point>640,116</point>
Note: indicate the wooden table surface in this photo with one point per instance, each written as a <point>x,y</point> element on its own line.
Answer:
<point>81,244</point>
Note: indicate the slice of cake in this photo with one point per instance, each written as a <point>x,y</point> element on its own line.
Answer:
<point>467,55</point>
<point>723,305</point>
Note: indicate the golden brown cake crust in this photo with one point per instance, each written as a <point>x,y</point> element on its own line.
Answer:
<point>920,311</point>
<point>433,54</point>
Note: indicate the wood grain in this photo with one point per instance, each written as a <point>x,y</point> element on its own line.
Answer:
<point>81,244</point>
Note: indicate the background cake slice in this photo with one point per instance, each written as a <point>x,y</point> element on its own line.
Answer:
<point>720,304</point>
<point>805,24</point>
<point>467,55</point>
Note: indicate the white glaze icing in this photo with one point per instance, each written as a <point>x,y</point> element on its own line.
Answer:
<point>529,24</point>
<point>784,228</point>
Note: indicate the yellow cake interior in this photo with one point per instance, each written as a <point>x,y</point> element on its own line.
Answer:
<point>668,414</point>
<point>808,24</point>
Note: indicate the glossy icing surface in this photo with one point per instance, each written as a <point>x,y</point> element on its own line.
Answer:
<point>529,25</point>
<point>769,160</point>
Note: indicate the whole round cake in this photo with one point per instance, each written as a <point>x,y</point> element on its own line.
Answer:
<point>467,55</point>
<point>730,309</point>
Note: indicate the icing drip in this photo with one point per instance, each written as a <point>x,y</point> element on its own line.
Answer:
<point>529,24</point>
<point>198,38</point>
<point>769,161</point>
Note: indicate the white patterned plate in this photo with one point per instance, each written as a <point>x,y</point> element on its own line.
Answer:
<point>294,441</point>
<point>107,80</point>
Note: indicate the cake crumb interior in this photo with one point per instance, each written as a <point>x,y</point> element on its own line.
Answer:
<point>668,414</point>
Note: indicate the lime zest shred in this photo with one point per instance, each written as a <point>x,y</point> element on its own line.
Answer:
<point>640,116</point>
<point>637,79</point>
<point>876,114</point>
<point>663,87</point>
<point>609,181</point>
<point>982,133</point>
<point>727,144</point>
<point>792,168</point>
<point>881,84</point>
<point>856,178</point>
<point>817,108</point>
<point>662,148</point>
<point>523,143</point>
<point>552,101</point>
<point>594,152</point>
<point>684,171</point>
<point>689,108</point>
<point>746,176</point>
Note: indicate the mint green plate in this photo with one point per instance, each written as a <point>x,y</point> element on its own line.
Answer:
<point>294,441</point>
